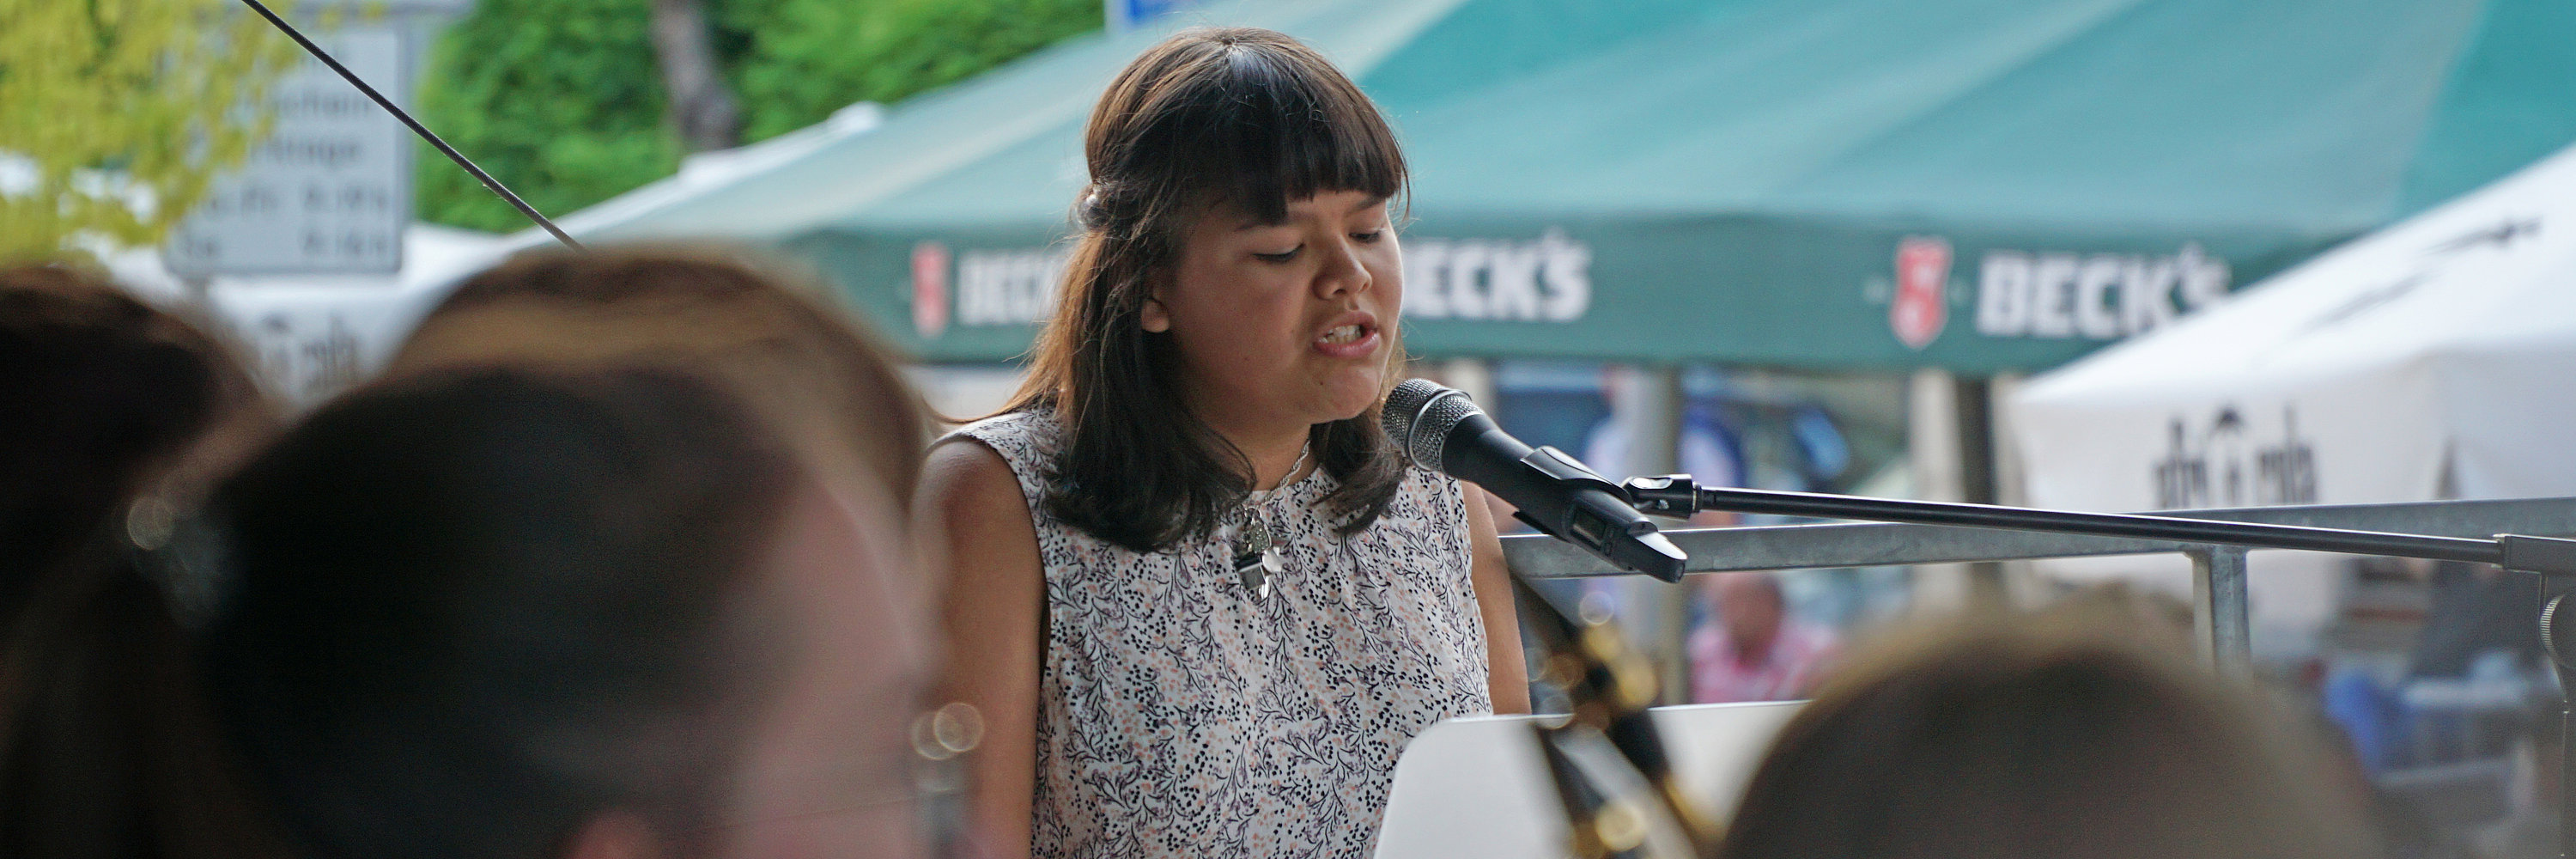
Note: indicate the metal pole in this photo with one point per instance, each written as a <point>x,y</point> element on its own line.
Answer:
<point>1669,496</point>
<point>1932,448</point>
<point>2219,617</point>
<point>1974,399</point>
<point>1654,615</point>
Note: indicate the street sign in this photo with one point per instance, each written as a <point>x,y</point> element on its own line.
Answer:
<point>329,190</point>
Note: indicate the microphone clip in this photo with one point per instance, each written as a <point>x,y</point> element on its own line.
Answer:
<point>1600,520</point>
<point>1673,496</point>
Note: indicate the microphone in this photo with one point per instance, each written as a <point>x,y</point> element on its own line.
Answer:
<point>1441,429</point>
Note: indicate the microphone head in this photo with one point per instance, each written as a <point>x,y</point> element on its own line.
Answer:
<point>1419,415</point>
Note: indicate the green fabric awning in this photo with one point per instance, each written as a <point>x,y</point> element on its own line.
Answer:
<point>1974,184</point>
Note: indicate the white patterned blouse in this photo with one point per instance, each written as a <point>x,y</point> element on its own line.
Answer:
<point>1183,713</point>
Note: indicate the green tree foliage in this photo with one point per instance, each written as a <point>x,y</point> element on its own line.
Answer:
<point>807,58</point>
<point>560,99</point>
<point>115,114</point>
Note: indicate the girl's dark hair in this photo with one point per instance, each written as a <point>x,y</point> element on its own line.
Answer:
<point>1209,119</point>
<point>113,410</point>
<point>2064,734</point>
<point>471,609</point>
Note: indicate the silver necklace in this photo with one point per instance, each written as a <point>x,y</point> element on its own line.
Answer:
<point>1258,549</point>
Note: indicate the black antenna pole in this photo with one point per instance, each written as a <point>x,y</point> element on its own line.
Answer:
<point>416,128</point>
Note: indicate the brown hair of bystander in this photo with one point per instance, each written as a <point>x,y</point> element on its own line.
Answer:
<point>114,412</point>
<point>2036,737</point>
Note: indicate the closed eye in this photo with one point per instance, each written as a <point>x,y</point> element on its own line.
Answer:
<point>1370,237</point>
<point>1280,257</point>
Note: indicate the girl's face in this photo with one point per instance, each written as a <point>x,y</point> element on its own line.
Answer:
<point>1288,324</point>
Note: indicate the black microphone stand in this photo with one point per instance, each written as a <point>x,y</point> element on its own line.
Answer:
<point>2552,560</point>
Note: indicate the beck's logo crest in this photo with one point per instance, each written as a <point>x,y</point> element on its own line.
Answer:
<point>1921,307</point>
<point>929,289</point>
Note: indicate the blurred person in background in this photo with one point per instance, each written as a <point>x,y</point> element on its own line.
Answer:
<point>114,414</point>
<point>565,612</point>
<point>1754,650</point>
<point>2154,618</point>
<point>2073,734</point>
<point>1196,591</point>
<point>2475,635</point>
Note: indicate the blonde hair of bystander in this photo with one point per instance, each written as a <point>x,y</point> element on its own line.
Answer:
<point>824,378</point>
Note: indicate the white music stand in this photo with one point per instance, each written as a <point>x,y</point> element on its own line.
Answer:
<point>1475,788</point>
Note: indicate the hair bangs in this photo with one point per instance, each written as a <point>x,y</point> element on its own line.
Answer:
<point>1271,134</point>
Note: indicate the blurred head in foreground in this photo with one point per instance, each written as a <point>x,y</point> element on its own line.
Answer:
<point>833,386</point>
<point>106,399</point>
<point>2058,736</point>
<point>829,386</point>
<point>570,612</point>
<point>113,411</point>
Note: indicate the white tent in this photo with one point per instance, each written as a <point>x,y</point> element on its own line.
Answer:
<point>2433,359</point>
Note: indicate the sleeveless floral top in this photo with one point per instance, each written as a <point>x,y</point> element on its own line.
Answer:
<point>1184,714</point>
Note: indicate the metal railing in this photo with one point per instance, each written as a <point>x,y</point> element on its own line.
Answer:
<point>2219,605</point>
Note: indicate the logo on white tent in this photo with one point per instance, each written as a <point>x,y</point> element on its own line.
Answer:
<point>310,362</point>
<point>2502,235</point>
<point>2221,465</point>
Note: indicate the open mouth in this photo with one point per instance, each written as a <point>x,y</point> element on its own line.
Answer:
<point>1344,334</point>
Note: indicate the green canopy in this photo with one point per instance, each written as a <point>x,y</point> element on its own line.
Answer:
<point>1974,184</point>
